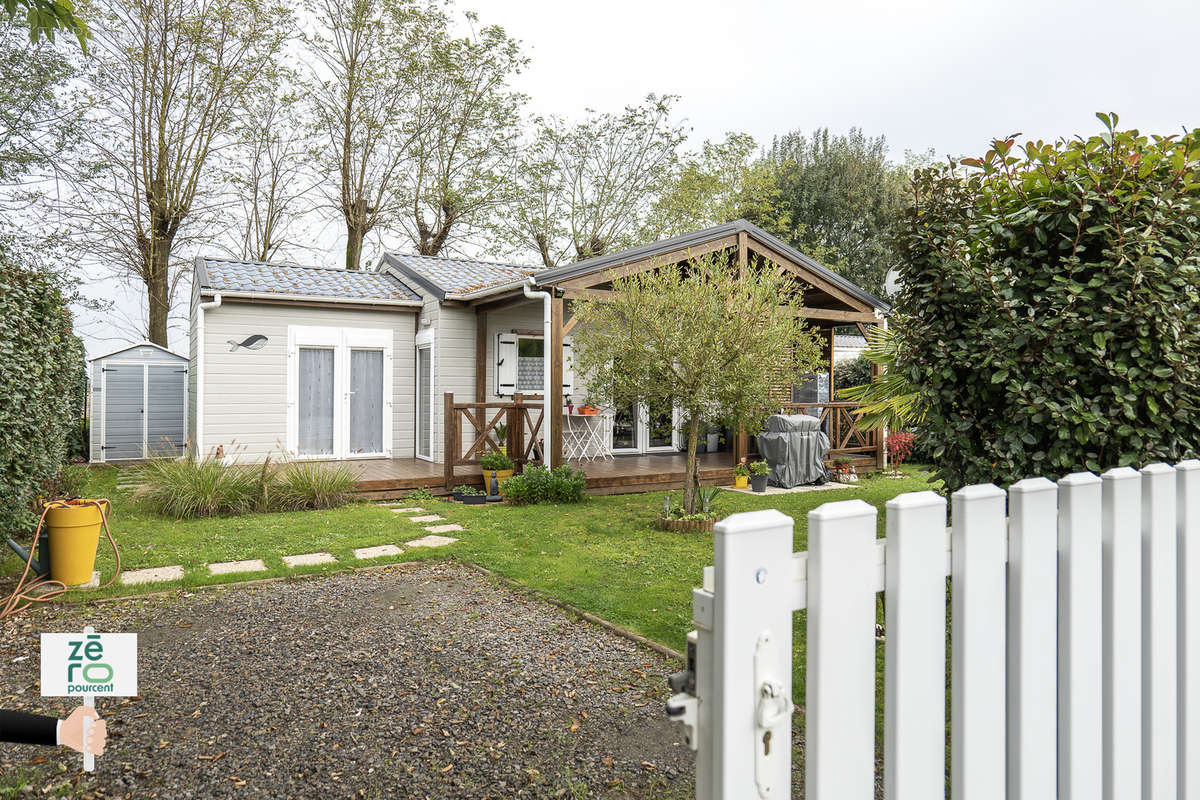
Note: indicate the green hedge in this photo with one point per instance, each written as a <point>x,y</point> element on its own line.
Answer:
<point>1049,306</point>
<point>41,370</point>
<point>539,484</point>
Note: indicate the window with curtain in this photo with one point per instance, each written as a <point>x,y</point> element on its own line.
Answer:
<point>366,401</point>
<point>531,355</point>
<point>315,401</point>
<point>424,402</point>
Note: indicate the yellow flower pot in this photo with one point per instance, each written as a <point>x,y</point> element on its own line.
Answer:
<point>741,481</point>
<point>74,527</point>
<point>501,474</point>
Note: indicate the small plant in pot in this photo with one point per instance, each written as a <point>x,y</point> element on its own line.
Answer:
<point>472,496</point>
<point>459,491</point>
<point>759,471</point>
<point>502,437</point>
<point>741,476</point>
<point>498,463</point>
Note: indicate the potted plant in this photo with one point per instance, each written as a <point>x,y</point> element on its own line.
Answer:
<point>502,438</point>
<point>759,470</point>
<point>459,491</point>
<point>472,496</point>
<point>741,476</point>
<point>498,463</point>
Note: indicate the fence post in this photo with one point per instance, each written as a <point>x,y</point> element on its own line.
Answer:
<point>451,447</point>
<point>1187,530</point>
<point>515,424</point>
<point>752,636</point>
<point>1122,613</point>
<point>840,680</point>
<point>915,659</point>
<point>977,716</point>
<point>1080,587</point>
<point>1031,674</point>
<point>1159,627</point>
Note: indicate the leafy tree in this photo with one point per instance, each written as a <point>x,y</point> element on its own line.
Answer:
<point>47,17</point>
<point>724,181</point>
<point>852,372</point>
<point>38,118</point>
<point>587,188</point>
<point>467,121</point>
<point>43,368</point>
<point>169,81</point>
<point>696,337</point>
<point>1051,292</point>
<point>372,57</point>
<point>837,196</point>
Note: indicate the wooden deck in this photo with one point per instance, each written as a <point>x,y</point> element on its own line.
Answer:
<point>385,478</point>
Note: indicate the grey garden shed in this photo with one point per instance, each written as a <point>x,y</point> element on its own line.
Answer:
<point>139,403</point>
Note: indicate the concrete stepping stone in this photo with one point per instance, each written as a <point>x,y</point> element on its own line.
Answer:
<point>427,518</point>
<point>432,541</point>
<point>309,559</point>
<point>363,553</point>
<point>408,510</point>
<point>444,528</point>
<point>152,575</point>
<point>228,567</point>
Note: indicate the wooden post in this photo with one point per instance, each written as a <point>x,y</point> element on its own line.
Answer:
<point>742,253</point>
<point>829,354</point>
<point>480,356</point>
<point>516,428</point>
<point>554,392</point>
<point>451,447</point>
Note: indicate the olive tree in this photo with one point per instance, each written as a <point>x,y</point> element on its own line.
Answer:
<point>698,337</point>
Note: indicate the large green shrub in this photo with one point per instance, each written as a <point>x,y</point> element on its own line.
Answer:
<point>41,369</point>
<point>1051,294</point>
<point>851,372</point>
<point>563,484</point>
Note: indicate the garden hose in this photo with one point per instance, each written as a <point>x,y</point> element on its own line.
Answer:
<point>22,597</point>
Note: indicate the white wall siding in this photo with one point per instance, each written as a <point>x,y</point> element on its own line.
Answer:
<point>193,350</point>
<point>454,365</point>
<point>245,400</point>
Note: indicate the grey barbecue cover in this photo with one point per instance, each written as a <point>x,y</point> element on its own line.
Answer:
<point>794,446</point>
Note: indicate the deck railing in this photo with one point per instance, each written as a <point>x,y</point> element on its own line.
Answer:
<point>479,422</point>
<point>847,439</point>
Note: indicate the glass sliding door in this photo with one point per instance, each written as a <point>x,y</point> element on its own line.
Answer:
<point>366,401</point>
<point>625,430</point>
<point>425,402</point>
<point>315,401</point>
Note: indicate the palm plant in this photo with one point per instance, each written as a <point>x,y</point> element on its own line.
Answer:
<point>890,400</point>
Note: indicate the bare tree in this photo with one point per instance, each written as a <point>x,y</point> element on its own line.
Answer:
<point>270,179</point>
<point>169,78</point>
<point>468,124</point>
<point>368,55</point>
<point>588,187</point>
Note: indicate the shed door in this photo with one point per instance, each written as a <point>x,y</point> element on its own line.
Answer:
<point>123,394</point>
<point>166,427</point>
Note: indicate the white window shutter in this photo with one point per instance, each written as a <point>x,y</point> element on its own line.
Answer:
<point>506,364</point>
<point>568,369</point>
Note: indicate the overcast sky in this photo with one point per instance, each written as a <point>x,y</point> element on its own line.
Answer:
<point>927,74</point>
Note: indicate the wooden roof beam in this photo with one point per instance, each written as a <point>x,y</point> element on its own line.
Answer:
<point>650,262</point>
<point>808,276</point>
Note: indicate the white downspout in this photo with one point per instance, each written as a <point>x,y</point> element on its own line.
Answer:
<point>201,308</point>
<point>533,294</point>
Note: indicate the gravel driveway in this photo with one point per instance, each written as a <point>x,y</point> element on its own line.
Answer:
<point>426,680</point>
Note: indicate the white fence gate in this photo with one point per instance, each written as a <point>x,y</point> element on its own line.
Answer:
<point>1075,645</point>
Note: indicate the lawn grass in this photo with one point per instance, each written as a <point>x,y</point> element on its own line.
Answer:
<point>604,556</point>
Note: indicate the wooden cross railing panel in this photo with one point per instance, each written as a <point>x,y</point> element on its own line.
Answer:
<point>517,416</point>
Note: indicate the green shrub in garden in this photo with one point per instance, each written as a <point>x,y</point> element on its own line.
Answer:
<point>495,460</point>
<point>563,484</point>
<point>851,372</point>
<point>1049,303</point>
<point>41,370</point>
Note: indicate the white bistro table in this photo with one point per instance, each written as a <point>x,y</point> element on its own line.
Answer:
<point>587,437</point>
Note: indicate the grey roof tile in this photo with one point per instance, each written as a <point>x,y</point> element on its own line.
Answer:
<point>458,276</point>
<point>291,280</point>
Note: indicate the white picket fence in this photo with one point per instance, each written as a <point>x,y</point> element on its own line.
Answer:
<point>1075,645</point>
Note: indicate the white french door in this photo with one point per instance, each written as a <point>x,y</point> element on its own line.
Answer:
<point>640,429</point>
<point>425,397</point>
<point>339,392</point>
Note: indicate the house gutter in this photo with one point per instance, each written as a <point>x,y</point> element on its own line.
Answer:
<point>200,309</point>
<point>545,297</point>
<point>489,290</point>
<point>360,301</point>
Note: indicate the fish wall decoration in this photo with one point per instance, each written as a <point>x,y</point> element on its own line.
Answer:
<point>255,342</point>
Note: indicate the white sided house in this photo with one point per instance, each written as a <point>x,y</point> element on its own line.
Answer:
<point>407,370</point>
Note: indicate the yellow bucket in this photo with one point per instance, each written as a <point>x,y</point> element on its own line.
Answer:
<point>74,534</point>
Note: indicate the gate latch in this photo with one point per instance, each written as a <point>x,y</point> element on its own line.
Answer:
<point>773,712</point>
<point>683,705</point>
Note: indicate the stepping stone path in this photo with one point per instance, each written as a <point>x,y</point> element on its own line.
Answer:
<point>363,553</point>
<point>152,575</point>
<point>228,567</point>
<point>443,528</point>
<point>432,541</point>
<point>427,518</point>
<point>309,559</point>
<point>407,510</point>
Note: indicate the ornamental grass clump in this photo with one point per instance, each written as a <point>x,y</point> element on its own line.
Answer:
<point>307,485</point>
<point>1049,301</point>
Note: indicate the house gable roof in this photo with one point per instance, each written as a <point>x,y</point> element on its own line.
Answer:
<point>136,347</point>
<point>295,282</point>
<point>454,277</point>
<point>698,239</point>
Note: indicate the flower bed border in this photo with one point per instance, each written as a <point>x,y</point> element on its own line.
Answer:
<point>686,524</point>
